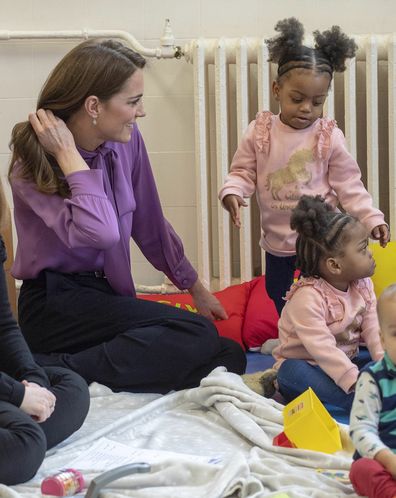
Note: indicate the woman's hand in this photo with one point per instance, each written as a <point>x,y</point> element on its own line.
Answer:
<point>381,233</point>
<point>207,304</point>
<point>232,204</point>
<point>57,140</point>
<point>37,401</point>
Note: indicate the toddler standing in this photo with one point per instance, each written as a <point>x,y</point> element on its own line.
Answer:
<point>297,152</point>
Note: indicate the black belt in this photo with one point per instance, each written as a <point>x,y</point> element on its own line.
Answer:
<point>95,274</point>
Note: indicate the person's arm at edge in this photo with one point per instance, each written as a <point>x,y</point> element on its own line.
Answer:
<point>364,420</point>
<point>157,239</point>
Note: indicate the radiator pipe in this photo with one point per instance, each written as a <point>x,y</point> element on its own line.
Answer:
<point>166,50</point>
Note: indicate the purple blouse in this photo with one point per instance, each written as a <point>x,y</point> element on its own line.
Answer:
<point>114,200</point>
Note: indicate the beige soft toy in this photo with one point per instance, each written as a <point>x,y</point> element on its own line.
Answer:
<point>263,382</point>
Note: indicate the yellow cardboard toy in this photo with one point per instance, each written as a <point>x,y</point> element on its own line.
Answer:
<point>308,424</point>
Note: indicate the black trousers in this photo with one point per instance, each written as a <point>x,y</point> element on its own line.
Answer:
<point>23,442</point>
<point>279,273</point>
<point>125,343</point>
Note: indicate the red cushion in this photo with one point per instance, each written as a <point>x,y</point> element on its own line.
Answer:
<point>261,318</point>
<point>234,300</point>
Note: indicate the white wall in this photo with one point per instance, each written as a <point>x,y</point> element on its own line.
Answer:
<point>169,126</point>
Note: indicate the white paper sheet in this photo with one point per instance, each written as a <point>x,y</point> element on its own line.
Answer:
<point>106,454</point>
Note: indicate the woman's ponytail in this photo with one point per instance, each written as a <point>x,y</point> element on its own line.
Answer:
<point>35,162</point>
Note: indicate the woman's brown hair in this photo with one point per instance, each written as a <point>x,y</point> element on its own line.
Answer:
<point>93,67</point>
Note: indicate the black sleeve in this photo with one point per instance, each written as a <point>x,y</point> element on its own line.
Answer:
<point>11,390</point>
<point>16,360</point>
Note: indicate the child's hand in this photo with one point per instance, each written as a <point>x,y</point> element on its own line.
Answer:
<point>232,203</point>
<point>388,460</point>
<point>381,233</point>
<point>391,467</point>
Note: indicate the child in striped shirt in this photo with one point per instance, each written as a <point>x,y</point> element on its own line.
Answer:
<point>373,416</point>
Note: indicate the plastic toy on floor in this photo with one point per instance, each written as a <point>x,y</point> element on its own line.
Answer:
<point>308,425</point>
<point>282,440</point>
<point>66,483</point>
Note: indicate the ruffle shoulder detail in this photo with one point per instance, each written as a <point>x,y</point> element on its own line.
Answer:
<point>363,287</point>
<point>262,130</point>
<point>326,127</point>
<point>334,307</point>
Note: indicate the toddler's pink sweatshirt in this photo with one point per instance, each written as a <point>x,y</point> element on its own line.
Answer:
<point>324,326</point>
<point>281,163</point>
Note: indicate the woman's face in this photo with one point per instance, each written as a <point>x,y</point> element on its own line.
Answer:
<point>117,115</point>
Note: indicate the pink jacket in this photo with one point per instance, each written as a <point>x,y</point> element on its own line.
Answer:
<point>281,164</point>
<point>324,326</point>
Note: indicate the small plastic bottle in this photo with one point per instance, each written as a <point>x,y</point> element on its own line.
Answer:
<point>67,483</point>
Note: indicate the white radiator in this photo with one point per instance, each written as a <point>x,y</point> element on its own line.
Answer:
<point>232,81</point>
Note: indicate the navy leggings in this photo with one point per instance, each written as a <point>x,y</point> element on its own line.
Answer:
<point>125,343</point>
<point>295,376</point>
<point>23,442</point>
<point>279,273</point>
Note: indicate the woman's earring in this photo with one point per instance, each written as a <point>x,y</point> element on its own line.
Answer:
<point>94,122</point>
